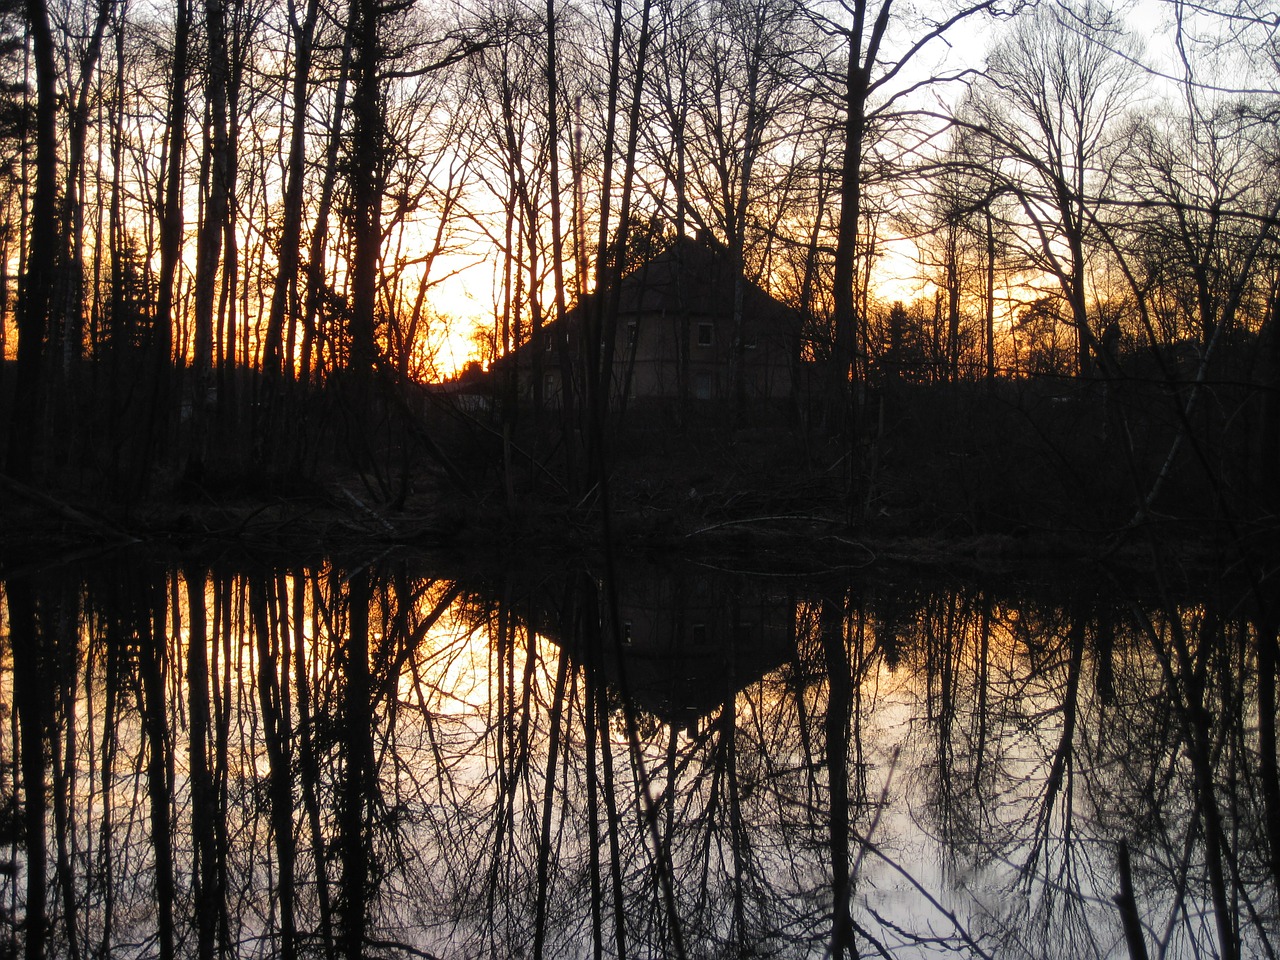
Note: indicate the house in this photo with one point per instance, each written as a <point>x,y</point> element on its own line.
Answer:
<point>675,334</point>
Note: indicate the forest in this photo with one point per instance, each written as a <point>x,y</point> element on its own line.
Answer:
<point>1031,248</point>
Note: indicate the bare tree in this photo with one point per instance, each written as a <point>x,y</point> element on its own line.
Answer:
<point>276,359</point>
<point>882,45</point>
<point>215,177</point>
<point>1054,94</point>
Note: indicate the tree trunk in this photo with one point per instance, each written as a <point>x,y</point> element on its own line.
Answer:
<point>320,234</point>
<point>35,296</point>
<point>844,315</point>
<point>209,240</point>
<point>273,362</point>
<point>990,324</point>
<point>366,190</point>
<point>72,294</point>
<point>171,222</point>
<point>567,392</point>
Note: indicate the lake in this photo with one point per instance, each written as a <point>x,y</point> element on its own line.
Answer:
<point>384,757</point>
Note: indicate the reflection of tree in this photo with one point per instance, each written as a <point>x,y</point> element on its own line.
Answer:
<point>367,761</point>
<point>31,711</point>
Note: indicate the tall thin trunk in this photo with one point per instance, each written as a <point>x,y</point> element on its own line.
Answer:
<point>171,225</point>
<point>590,727</point>
<point>609,257</point>
<point>35,296</point>
<point>738,238</point>
<point>1265,624</point>
<point>65,644</point>
<point>597,719</point>
<point>171,207</point>
<point>6,233</point>
<point>72,296</point>
<point>275,356</point>
<point>567,392</point>
<point>845,353</point>
<point>365,183</point>
<point>113,671</point>
<point>210,234</point>
<point>990,324</point>
<point>609,325</point>
<point>225,637</point>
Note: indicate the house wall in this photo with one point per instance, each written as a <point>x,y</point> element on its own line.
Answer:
<point>651,366</point>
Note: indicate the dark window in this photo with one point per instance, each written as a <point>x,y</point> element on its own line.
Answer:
<point>706,333</point>
<point>698,633</point>
<point>702,386</point>
<point>631,334</point>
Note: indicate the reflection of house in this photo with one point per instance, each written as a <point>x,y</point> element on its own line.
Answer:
<point>676,333</point>
<point>688,643</point>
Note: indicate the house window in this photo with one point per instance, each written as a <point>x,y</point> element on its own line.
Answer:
<point>698,634</point>
<point>550,343</point>
<point>702,385</point>
<point>631,334</point>
<point>706,334</point>
<point>626,632</point>
<point>549,385</point>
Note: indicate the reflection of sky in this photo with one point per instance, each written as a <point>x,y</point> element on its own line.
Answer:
<point>464,775</point>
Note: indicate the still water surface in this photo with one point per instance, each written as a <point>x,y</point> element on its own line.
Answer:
<point>378,759</point>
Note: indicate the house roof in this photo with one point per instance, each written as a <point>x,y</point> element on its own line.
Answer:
<point>694,276</point>
<point>690,277</point>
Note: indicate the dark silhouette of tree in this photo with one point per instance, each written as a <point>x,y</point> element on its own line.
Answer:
<point>37,287</point>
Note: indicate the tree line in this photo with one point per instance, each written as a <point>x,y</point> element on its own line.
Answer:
<point>224,221</point>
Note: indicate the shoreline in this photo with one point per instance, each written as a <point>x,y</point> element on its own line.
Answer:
<point>42,529</point>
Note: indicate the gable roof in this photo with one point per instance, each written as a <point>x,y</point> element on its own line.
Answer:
<point>691,275</point>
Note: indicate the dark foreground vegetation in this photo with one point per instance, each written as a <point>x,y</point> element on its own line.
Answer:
<point>1047,467</point>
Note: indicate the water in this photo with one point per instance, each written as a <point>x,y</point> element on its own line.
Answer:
<point>385,759</point>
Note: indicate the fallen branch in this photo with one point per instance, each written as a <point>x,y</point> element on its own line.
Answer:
<point>63,510</point>
<point>751,520</point>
